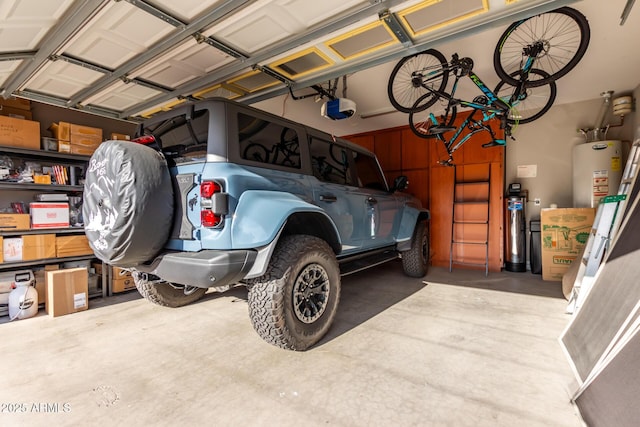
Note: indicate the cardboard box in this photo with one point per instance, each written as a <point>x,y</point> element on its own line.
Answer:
<point>41,281</point>
<point>67,291</point>
<point>120,137</point>
<point>75,134</point>
<point>19,133</point>
<point>10,222</point>
<point>12,249</point>
<point>72,246</point>
<point>16,113</point>
<point>38,246</point>
<point>122,284</point>
<point>16,103</point>
<point>49,215</point>
<point>84,150</point>
<point>564,234</point>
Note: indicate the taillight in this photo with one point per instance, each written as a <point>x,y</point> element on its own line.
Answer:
<point>213,204</point>
<point>209,188</point>
<point>145,140</point>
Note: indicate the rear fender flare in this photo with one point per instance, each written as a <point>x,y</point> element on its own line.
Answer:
<point>261,215</point>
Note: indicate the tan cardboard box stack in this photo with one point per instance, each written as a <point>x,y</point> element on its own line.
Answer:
<point>121,280</point>
<point>564,233</point>
<point>76,139</point>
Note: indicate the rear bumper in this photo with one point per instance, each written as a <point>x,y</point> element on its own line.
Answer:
<point>204,269</point>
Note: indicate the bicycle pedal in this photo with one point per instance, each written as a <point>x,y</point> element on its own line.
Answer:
<point>437,130</point>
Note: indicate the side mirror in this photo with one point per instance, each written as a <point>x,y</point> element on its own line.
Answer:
<point>400,183</point>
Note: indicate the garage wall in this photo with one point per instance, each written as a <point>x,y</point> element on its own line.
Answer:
<point>548,143</point>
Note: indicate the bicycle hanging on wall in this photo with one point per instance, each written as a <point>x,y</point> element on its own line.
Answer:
<point>529,57</point>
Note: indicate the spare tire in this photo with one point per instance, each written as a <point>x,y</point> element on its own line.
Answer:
<point>128,203</point>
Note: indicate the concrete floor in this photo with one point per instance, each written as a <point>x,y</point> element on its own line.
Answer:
<point>460,349</point>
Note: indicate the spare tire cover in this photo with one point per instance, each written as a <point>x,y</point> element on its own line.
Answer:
<point>128,203</point>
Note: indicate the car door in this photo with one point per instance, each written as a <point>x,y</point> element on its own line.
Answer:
<point>382,213</point>
<point>334,190</point>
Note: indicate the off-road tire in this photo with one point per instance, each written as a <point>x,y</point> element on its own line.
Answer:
<point>166,295</point>
<point>415,261</point>
<point>271,297</point>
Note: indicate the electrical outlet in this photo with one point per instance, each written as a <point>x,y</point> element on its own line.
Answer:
<point>536,201</point>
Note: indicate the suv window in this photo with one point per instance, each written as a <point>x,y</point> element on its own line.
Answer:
<point>181,139</point>
<point>268,142</point>
<point>369,174</point>
<point>330,162</point>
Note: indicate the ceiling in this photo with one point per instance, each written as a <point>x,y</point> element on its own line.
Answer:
<point>129,59</point>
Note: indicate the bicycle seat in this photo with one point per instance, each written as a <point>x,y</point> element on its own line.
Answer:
<point>495,143</point>
<point>439,129</point>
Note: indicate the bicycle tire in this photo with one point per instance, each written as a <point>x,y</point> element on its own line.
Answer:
<point>422,128</point>
<point>404,88</point>
<point>537,99</point>
<point>256,153</point>
<point>563,32</point>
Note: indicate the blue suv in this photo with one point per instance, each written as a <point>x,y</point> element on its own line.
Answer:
<point>215,194</point>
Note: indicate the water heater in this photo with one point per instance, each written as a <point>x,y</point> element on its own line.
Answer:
<point>597,171</point>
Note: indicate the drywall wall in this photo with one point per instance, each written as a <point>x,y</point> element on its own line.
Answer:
<point>548,143</point>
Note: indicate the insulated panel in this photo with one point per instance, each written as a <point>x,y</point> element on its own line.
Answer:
<point>253,81</point>
<point>188,61</point>
<point>24,23</point>
<point>223,91</point>
<point>6,69</point>
<point>365,40</point>
<point>434,14</point>
<point>185,10</point>
<point>121,96</point>
<point>302,63</point>
<point>62,79</point>
<point>265,23</point>
<point>117,34</point>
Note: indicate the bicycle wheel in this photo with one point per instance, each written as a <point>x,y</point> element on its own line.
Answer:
<point>412,75</point>
<point>422,126</point>
<point>559,37</point>
<point>257,153</point>
<point>532,102</point>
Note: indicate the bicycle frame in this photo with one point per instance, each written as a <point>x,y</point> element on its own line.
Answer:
<point>495,107</point>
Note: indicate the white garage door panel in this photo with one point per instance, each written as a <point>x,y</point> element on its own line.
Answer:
<point>121,96</point>
<point>117,34</point>
<point>6,68</point>
<point>266,23</point>
<point>23,23</point>
<point>185,10</point>
<point>62,79</point>
<point>189,61</point>
<point>312,13</point>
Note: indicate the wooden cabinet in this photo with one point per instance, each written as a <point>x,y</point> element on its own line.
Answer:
<point>400,152</point>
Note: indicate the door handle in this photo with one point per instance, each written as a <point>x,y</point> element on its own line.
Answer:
<point>329,198</point>
<point>372,200</point>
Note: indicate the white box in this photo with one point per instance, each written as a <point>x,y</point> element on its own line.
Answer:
<point>12,249</point>
<point>49,215</point>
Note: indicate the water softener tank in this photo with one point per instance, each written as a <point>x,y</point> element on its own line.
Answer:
<point>515,247</point>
